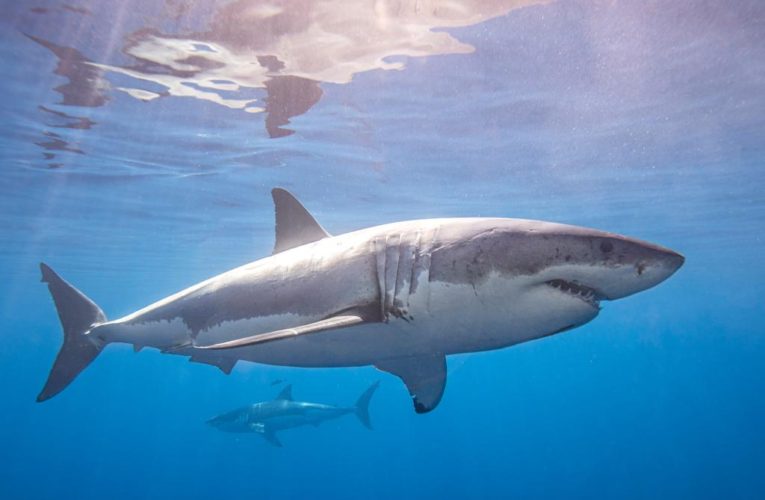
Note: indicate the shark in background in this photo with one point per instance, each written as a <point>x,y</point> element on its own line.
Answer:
<point>268,417</point>
<point>400,297</point>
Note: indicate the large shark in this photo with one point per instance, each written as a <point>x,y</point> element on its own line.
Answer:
<point>268,417</point>
<point>399,296</point>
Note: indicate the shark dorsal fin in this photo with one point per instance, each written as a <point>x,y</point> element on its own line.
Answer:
<point>295,226</point>
<point>286,393</point>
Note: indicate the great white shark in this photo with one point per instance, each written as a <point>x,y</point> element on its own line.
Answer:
<point>400,296</point>
<point>268,417</point>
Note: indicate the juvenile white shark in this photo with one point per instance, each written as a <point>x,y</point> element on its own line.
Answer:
<point>268,417</point>
<point>400,297</point>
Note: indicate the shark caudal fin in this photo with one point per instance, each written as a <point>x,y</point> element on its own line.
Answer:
<point>362,405</point>
<point>78,314</point>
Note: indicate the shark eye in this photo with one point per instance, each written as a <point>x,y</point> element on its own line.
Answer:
<point>606,246</point>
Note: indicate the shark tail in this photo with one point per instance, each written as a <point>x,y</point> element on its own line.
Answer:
<point>362,405</point>
<point>78,315</point>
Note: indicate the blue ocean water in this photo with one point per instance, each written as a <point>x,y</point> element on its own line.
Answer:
<point>139,144</point>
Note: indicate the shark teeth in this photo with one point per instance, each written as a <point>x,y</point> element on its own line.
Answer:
<point>578,290</point>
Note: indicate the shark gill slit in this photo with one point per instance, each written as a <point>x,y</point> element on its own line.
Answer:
<point>415,263</point>
<point>401,265</point>
<point>392,254</point>
<point>378,246</point>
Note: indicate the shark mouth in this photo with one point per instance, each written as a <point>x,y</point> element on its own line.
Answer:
<point>585,293</point>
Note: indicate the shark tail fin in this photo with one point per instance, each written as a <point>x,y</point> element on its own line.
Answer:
<point>78,315</point>
<point>362,405</point>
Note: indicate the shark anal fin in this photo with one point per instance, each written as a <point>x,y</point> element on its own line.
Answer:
<point>424,376</point>
<point>319,326</point>
<point>295,226</point>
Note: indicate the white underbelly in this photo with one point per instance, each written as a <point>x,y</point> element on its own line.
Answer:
<point>446,318</point>
<point>449,319</point>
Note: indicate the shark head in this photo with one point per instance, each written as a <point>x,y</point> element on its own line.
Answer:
<point>222,421</point>
<point>547,277</point>
<point>592,265</point>
<point>232,421</point>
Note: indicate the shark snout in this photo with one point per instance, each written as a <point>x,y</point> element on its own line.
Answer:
<point>662,261</point>
<point>646,266</point>
<point>219,421</point>
<point>673,259</point>
<point>671,262</point>
<point>668,262</point>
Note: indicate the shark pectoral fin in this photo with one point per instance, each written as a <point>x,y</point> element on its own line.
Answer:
<point>295,226</point>
<point>424,376</point>
<point>271,438</point>
<point>319,326</point>
<point>267,433</point>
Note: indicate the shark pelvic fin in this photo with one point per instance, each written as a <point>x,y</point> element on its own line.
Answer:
<point>424,376</point>
<point>295,226</point>
<point>319,326</point>
<point>224,364</point>
<point>285,393</point>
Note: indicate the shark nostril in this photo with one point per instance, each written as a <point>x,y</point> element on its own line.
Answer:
<point>640,268</point>
<point>606,246</point>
